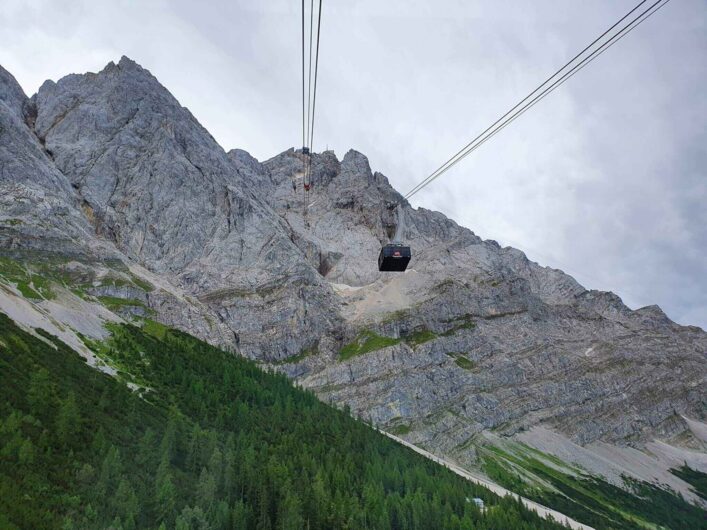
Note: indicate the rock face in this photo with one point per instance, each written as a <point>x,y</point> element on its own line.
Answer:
<point>109,166</point>
<point>45,219</point>
<point>162,190</point>
<point>38,207</point>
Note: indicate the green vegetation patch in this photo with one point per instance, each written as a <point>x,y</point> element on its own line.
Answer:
<point>400,429</point>
<point>504,474</point>
<point>115,280</point>
<point>463,322</point>
<point>115,304</point>
<point>396,316</point>
<point>420,337</point>
<point>43,286</point>
<point>142,284</point>
<point>217,443</point>
<point>589,499</point>
<point>27,290</point>
<point>34,274</point>
<point>10,268</point>
<point>366,341</point>
<point>696,479</point>
<point>462,361</point>
<point>31,285</point>
<point>121,353</point>
<point>156,329</point>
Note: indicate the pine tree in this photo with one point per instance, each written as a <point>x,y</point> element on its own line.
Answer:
<point>117,524</point>
<point>216,468</point>
<point>40,394</point>
<point>290,513</point>
<point>168,445</point>
<point>86,474</point>
<point>146,451</point>
<point>193,458</point>
<point>374,505</point>
<point>26,453</point>
<point>125,503</point>
<point>205,490</point>
<point>192,519</point>
<point>321,501</point>
<point>68,420</point>
<point>264,520</point>
<point>220,516</point>
<point>104,402</point>
<point>230,480</point>
<point>165,492</point>
<point>181,524</point>
<point>240,516</point>
<point>111,469</point>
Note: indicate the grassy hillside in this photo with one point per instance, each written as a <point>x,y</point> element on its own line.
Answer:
<point>189,437</point>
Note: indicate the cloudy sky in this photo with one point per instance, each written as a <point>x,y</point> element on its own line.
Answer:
<point>606,178</point>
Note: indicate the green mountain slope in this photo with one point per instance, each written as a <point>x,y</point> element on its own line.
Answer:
<point>204,440</point>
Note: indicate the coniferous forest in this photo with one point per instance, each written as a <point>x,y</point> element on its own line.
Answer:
<point>202,439</point>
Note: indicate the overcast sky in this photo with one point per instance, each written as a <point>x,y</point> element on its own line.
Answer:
<point>606,178</point>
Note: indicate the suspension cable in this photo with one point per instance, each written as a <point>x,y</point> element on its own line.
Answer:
<point>309,96</point>
<point>316,69</point>
<point>539,87</point>
<point>309,76</point>
<point>303,106</point>
<point>524,104</point>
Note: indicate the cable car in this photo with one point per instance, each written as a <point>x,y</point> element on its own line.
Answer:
<point>394,257</point>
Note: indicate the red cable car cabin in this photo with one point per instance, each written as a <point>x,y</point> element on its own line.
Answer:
<point>394,257</point>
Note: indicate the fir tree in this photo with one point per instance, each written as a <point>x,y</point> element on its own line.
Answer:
<point>40,394</point>
<point>165,491</point>
<point>68,420</point>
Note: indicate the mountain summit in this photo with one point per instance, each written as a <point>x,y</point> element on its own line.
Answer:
<point>115,192</point>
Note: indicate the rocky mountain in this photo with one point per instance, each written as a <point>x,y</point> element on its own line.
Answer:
<point>113,193</point>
